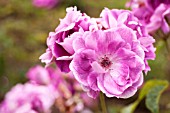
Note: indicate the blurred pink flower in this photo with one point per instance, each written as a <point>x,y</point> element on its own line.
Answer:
<point>28,98</point>
<point>69,95</point>
<point>154,14</point>
<point>60,42</point>
<point>45,76</point>
<point>39,75</point>
<point>109,63</point>
<point>45,3</point>
<point>160,19</point>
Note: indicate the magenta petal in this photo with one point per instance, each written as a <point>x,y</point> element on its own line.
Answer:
<point>156,25</point>
<point>60,51</point>
<point>90,41</point>
<point>119,69</point>
<point>62,28</point>
<point>92,81</point>
<point>97,68</point>
<point>100,84</point>
<point>127,34</point>
<point>63,65</point>
<point>51,40</point>
<point>80,68</point>
<point>121,80</point>
<point>46,57</point>
<point>116,43</point>
<point>150,54</point>
<point>87,54</point>
<point>165,26</point>
<point>109,20</point>
<point>67,45</point>
<point>93,94</point>
<point>111,86</point>
<point>129,92</point>
<point>65,58</point>
<point>123,17</point>
<point>137,69</point>
<point>110,43</point>
<point>120,73</point>
<point>78,43</point>
<point>124,54</point>
<point>146,41</point>
<point>137,48</point>
<point>139,82</point>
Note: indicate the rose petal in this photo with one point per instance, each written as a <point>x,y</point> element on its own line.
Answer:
<point>97,68</point>
<point>92,81</point>
<point>128,92</point>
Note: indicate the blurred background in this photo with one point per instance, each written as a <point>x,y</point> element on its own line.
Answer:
<point>23,32</point>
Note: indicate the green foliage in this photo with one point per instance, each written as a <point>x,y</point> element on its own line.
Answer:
<point>160,66</point>
<point>150,85</point>
<point>152,89</point>
<point>153,97</point>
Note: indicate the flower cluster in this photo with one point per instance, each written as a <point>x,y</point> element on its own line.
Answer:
<point>106,54</point>
<point>46,88</point>
<point>45,3</point>
<point>154,14</point>
<point>69,96</point>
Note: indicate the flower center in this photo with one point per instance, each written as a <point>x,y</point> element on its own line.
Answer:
<point>105,62</point>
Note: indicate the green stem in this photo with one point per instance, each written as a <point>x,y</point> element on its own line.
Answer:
<point>167,45</point>
<point>165,38</point>
<point>103,103</point>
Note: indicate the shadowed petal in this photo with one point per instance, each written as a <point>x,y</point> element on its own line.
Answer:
<point>100,85</point>
<point>92,81</point>
<point>129,92</point>
<point>111,86</point>
<point>63,65</point>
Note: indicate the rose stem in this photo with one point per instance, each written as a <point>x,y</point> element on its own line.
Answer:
<point>103,103</point>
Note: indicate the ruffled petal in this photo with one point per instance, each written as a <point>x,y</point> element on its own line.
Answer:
<point>129,92</point>
<point>47,57</point>
<point>111,86</point>
<point>92,81</point>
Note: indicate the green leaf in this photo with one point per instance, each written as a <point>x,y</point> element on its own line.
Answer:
<point>149,85</point>
<point>149,90</point>
<point>130,108</point>
<point>153,96</point>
